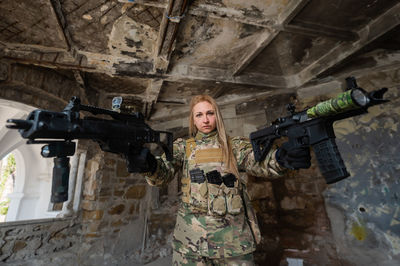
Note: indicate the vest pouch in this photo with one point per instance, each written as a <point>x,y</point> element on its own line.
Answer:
<point>234,203</point>
<point>198,189</point>
<point>216,200</point>
<point>216,197</point>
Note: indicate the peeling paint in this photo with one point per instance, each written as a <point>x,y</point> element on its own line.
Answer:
<point>103,8</point>
<point>87,17</point>
<point>133,43</point>
<point>132,38</point>
<point>394,241</point>
<point>370,198</point>
<point>254,12</point>
<point>125,7</point>
<point>358,231</point>
<point>128,69</point>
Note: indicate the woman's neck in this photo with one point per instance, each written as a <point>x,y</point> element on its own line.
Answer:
<point>201,135</point>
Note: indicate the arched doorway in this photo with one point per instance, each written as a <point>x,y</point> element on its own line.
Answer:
<point>30,198</point>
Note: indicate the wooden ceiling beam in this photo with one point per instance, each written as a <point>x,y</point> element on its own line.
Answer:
<point>58,58</point>
<point>44,56</point>
<point>269,34</point>
<point>180,73</point>
<point>153,3</point>
<point>62,24</point>
<point>318,30</point>
<point>182,111</point>
<point>174,12</point>
<point>375,29</point>
<point>152,92</point>
<point>185,73</point>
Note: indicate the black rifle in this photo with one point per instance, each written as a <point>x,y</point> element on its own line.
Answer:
<point>125,134</point>
<point>313,127</point>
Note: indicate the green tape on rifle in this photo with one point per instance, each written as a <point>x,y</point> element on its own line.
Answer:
<point>343,102</point>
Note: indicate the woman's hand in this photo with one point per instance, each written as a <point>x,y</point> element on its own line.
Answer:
<point>293,157</point>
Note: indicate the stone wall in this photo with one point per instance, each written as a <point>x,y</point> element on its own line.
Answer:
<point>24,241</point>
<point>109,227</point>
<point>364,209</point>
<point>122,221</point>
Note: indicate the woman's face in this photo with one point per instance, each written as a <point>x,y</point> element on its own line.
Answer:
<point>204,117</point>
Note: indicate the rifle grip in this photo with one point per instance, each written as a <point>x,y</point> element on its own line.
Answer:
<point>60,181</point>
<point>329,160</point>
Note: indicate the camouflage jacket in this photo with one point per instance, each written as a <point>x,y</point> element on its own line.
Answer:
<point>212,220</point>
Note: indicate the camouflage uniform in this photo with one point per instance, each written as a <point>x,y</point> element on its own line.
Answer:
<point>214,221</point>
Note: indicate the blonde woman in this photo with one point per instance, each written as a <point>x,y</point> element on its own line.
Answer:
<point>216,224</point>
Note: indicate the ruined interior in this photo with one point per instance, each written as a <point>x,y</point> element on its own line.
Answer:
<point>253,57</point>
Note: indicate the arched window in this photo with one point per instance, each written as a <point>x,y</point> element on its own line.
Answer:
<point>30,198</point>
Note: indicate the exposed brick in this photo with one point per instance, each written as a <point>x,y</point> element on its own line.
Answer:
<point>267,205</point>
<point>132,208</point>
<point>136,192</point>
<point>117,223</point>
<point>93,215</point>
<point>105,191</point>
<point>90,187</point>
<point>18,245</point>
<point>260,190</point>
<point>121,169</point>
<point>118,193</point>
<point>117,209</point>
<point>92,235</point>
<point>109,162</point>
<point>88,205</point>
<point>106,179</point>
<point>93,227</point>
<point>89,197</point>
<point>132,180</point>
<point>294,203</point>
<point>3,71</point>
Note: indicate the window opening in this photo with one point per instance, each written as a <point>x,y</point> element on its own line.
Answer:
<point>25,192</point>
<point>7,181</point>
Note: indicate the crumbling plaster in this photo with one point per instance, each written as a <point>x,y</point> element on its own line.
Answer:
<point>254,57</point>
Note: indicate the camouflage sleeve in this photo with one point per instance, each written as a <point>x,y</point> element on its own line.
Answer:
<point>166,170</point>
<point>244,154</point>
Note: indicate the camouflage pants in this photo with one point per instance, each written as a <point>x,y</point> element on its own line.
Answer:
<point>179,259</point>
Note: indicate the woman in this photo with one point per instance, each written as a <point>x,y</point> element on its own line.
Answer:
<point>216,223</point>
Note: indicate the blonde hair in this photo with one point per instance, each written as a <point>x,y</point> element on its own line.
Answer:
<point>227,153</point>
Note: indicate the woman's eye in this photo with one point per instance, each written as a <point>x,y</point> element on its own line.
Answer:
<point>198,115</point>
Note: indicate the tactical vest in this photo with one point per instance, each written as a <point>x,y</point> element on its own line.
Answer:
<point>214,199</point>
<point>200,157</point>
<point>215,155</point>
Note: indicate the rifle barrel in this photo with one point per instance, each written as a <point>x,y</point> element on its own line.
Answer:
<point>19,124</point>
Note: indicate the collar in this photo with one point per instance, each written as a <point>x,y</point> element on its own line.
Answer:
<point>204,136</point>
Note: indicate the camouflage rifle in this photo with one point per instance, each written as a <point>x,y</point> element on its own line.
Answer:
<point>313,127</point>
<point>125,134</point>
